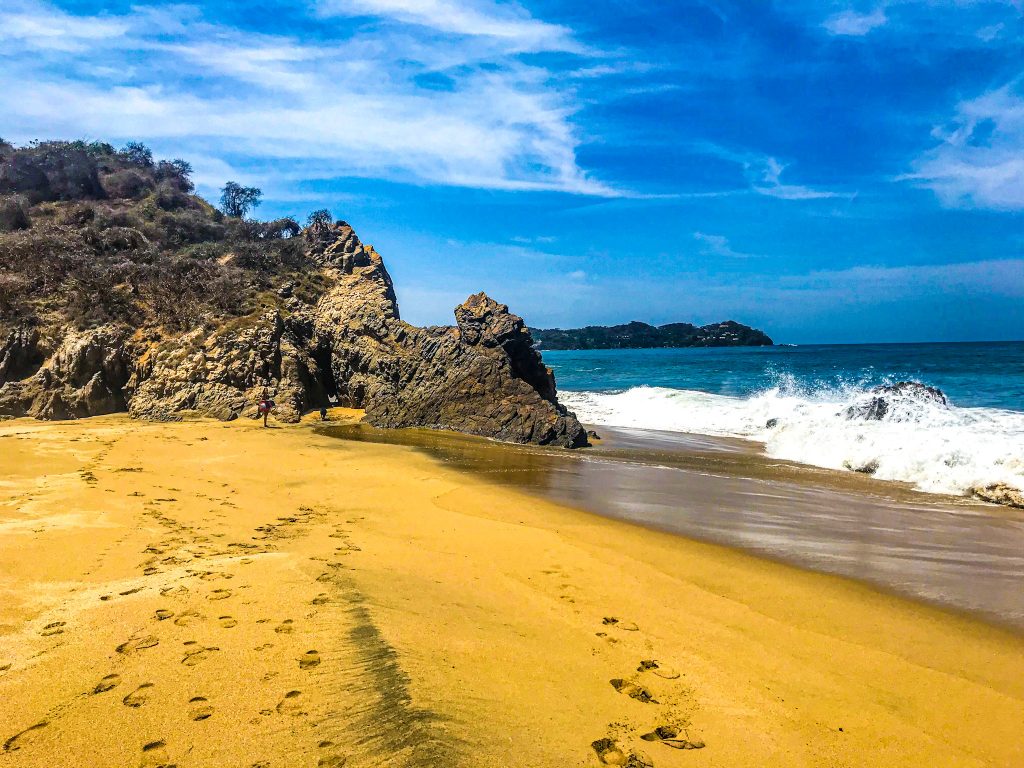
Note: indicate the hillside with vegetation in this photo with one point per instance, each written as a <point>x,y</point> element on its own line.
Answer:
<point>121,289</point>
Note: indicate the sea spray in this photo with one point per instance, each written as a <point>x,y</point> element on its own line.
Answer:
<point>935,447</point>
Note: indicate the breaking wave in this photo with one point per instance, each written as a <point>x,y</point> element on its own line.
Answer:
<point>918,440</point>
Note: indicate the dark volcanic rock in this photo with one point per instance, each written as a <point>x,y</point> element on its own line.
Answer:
<point>449,377</point>
<point>482,377</point>
<point>897,402</point>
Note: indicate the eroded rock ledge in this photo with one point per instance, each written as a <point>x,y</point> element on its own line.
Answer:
<point>348,346</point>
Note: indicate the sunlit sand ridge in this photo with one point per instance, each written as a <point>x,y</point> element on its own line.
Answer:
<point>202,594</point>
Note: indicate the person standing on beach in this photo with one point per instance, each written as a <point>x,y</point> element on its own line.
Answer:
<point>265,406</point>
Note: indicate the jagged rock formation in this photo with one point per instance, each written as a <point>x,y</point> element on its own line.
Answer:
<point>637,335</point>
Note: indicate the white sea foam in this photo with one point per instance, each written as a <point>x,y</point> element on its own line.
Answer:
<point>935,448</point>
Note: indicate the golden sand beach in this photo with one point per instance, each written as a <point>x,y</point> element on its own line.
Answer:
<point>207,594</point>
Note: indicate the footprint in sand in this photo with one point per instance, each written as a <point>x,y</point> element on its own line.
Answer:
<point>323,578</point>
<point>188,618</point>
<point>286,627</point>
<point>154,755</point>
<point>131,591</point>
<point>608,752</point>
<point>24,738</point>
<point>228,621</point>
<point>197,654</point>
<point>669,736</point>
<point>137,644</point>
<point>219,594</point>
<point>321,599</point>
<point>659,669</point>
<point>627,626</point>
<point>163,614</point>
<point>330,757</point>
<point>633,690</point>
<point>199,708</point>
<point>138,697</point>
<point>291,704</point>
<point>107,683</point>
<point>309,659</point>
<point>56,628</point>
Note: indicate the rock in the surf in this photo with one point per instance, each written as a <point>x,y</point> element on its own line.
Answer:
<point>897,402</point>
<point>1000,493</point>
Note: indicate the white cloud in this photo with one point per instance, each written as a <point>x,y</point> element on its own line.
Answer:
<point>979,161</point>
<point>506,21</point>
<point>718,245</point>
<point>351,106</point>
<point>765,174</point>
<point>50,28</point>
<point>853,24</point>
<point>989,33</point>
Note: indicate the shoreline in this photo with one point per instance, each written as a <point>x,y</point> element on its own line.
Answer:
<point>958,554</point>
<point>450,619</point>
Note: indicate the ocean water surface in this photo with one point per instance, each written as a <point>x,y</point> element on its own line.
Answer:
<point>975,441</point>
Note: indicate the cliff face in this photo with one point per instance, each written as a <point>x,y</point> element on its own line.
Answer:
<point>114,316</point>
<point>637,335</point>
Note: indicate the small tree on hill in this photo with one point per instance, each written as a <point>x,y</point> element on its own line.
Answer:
<point>319,222</point>
<point>236,200</point>
<point>138,153</point>
<point>179,172</point>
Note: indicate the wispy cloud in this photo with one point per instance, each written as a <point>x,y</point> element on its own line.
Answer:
<point>506,21</point>
<point>26,23</point>
<point>853,24</point>
<point>763,174</point>
<point>766,179</point>
<point>979,160</point>
<point>718,245</point>
<point>346,106</point>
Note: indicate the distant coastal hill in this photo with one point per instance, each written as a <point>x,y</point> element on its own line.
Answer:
<point>637,335</point>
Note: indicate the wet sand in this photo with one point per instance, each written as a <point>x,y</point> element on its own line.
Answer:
<point>958,553</point>
<point>206,594</point>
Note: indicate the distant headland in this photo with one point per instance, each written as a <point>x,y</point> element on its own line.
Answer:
<point>637,335</point>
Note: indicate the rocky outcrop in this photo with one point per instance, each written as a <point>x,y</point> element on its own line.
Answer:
<point>349,346</point>
<point>85,375</point>
<point>482,377</point>
<point>449,380</point>
<point>902,401</point>
<point>223,373</point>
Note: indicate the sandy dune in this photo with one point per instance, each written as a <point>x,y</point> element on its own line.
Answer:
<point>206,594</point>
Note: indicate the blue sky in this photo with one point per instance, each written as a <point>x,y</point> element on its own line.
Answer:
<point>827,171</point>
